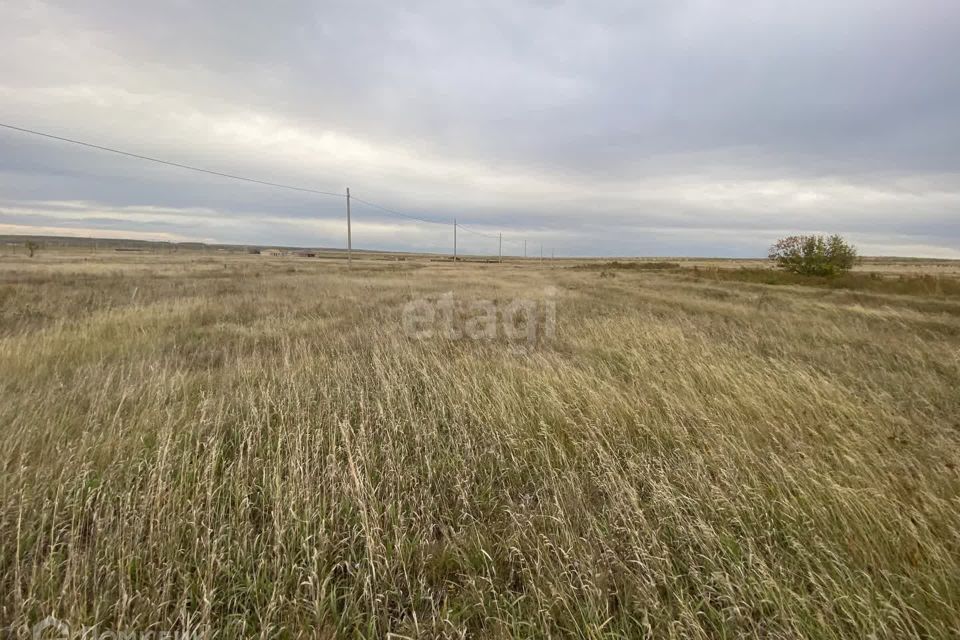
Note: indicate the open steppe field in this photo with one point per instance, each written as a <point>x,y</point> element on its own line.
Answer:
<point>243,446</point>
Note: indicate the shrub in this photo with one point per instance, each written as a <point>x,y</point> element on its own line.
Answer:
<point>31,247</point>
<point>814,255</point>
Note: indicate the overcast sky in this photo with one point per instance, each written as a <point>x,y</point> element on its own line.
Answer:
<point>666,127</point>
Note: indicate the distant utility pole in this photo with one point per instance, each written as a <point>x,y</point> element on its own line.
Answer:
<point>500,248</point>
<point>454,239</point>
<point>541,252</point>
<point>524,248</point>
<point>349,234</point>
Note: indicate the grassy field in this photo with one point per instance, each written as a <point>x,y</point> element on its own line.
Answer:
<point>239,446</point>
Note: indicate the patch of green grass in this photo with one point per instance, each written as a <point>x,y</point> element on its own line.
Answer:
<point>631,265</point>
<point>915,285</point>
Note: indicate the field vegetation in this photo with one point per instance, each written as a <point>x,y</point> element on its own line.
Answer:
<point>814,255</point>
<point>243,446</point>
<point>932,282</point>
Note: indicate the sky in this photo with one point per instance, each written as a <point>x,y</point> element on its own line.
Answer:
<point>618,128</point>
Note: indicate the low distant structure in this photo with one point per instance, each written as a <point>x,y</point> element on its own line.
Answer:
<point>306,254</point>
<point>272,252</point>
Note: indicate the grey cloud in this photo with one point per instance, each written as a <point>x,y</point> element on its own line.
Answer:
<point>692,102</point>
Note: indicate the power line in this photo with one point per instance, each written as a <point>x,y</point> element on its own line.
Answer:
<point>400,213</point>
<point>251,180</point>
<point>477,233</point>
<point>426,220</point>
<point>171,164</point>
<point>460,226</point>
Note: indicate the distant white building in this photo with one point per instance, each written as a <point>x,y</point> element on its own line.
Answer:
<point>273,252</point>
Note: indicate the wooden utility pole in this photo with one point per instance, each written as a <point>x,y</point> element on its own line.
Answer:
<point>524,248</point>
<point>454,239</point>
<point>349,234</point>
<point>500,248</point>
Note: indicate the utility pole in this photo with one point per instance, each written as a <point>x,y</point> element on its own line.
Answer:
<point>500,249</point>
<point>349,234</point>
<point>524,248</point>
<point>454,239</point>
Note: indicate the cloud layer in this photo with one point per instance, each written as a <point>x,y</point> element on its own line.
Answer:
<point>657,128</point>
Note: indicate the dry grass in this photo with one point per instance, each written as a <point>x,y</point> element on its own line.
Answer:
<point>243,446</point>
<point>927,284</point>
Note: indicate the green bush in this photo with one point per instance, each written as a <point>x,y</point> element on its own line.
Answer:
<point>814,255</point>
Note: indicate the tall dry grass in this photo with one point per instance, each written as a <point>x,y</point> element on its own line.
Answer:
<point>250,447</point>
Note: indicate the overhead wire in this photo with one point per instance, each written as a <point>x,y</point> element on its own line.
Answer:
<point>398,213</point>
<point>267,183</point>
<point>172,164</point>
